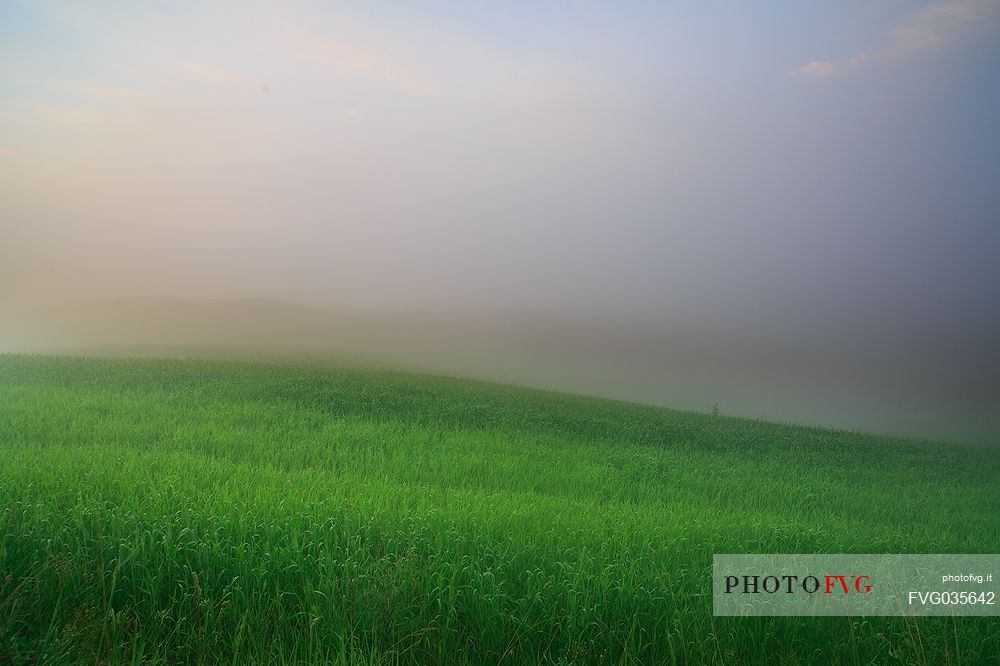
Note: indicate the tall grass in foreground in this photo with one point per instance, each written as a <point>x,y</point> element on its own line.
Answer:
<point>166,511</point>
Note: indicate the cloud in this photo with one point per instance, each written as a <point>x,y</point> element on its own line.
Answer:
<point>921,29</point>
<point>818,68</point>
<point>102,91</point>
<point>351,61</point>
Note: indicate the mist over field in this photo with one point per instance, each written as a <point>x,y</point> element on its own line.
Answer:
<point>907,385</point>
<point>791,212</point>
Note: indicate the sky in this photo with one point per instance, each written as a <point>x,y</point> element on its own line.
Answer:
<point>764,165</point>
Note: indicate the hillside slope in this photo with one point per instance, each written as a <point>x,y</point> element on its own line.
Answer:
<point>182,511</point>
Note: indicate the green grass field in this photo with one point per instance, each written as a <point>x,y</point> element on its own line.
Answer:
<point>172,511</point>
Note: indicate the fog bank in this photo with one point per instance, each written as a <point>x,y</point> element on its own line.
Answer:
<point>791,211</point>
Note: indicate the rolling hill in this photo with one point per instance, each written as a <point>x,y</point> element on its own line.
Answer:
<point>197,511</point>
